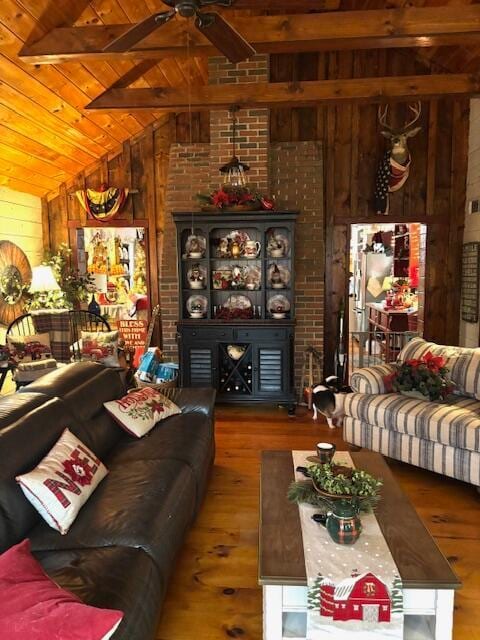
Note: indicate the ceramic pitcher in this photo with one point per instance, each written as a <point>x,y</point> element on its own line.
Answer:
<point>252,249</point>
<point>342,521</point>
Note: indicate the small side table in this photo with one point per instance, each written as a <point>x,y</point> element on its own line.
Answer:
<point>5,367</point>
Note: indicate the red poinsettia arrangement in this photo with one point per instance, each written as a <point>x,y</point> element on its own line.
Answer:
<point>231,196</point>
<point>422,377</point>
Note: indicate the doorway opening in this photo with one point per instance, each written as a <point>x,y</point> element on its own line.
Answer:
<point>386,290</point>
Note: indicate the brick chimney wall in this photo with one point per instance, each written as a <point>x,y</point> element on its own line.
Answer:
<point>293,172</point>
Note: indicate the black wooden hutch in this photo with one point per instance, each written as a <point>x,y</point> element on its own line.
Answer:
<point>237,304</point>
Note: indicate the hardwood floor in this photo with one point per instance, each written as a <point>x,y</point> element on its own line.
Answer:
<point>214,593</point>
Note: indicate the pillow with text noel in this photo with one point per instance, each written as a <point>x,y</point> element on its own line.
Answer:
<point>63,481</point>
<point>139,411</point>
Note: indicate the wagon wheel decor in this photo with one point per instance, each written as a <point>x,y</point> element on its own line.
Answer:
<point>15,277</point>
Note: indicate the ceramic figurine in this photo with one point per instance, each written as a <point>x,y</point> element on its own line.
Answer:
<point>276,279</point>
<point>195,249</point>
<point>275,247</point>
<point>223,250</point>
<point>196,280</point>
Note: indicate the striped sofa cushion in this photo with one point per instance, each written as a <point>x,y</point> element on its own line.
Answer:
<point>370,379</point>
<point>463,363</point>
<point>449,461</point>
<point>456,424</point>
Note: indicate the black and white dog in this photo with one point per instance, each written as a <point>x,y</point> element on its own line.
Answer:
<point>328,399</point>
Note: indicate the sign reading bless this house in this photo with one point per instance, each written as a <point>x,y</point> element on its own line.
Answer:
<point>134,332</point>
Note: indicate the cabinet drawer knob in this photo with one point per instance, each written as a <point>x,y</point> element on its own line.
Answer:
<point>223,333</point>
<point>247,334</point>
<point>194,333</point>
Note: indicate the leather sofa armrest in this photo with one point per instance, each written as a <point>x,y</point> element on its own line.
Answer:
<point>371,379</point>
<point>193,400</point>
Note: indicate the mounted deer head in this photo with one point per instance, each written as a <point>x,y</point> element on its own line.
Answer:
<point>398,137</point>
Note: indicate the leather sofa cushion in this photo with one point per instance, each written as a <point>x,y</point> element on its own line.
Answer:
<point>64,379</point>
<point>198,400</point>
<point>146,504</point>
<point>22,446</point>
<point>112,578</point>
<point>16,405</point>
<point>86,404</point>
<point>86,399</point>
<point>188,438</point>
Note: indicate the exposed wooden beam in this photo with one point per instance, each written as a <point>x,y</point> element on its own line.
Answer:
<point>286,5</point>
<point>411,27</point>
<point>287,94</point>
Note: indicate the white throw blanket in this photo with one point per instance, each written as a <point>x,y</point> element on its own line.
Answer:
<point>354,589</point>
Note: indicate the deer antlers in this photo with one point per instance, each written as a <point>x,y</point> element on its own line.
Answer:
<point>415,108</point>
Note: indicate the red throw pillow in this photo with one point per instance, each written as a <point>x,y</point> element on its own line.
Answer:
<point>32,606</point>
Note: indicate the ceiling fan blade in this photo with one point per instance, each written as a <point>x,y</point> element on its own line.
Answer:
<point>224,37</point>
<point>138,32</point>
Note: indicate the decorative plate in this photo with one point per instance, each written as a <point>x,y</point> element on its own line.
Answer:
<point>195,246</point>
<point>278,306</point>
<point>197,306</point>
<point>197,277</point>
<point>237,302</point>
<point>278,245</point>
<point>278,276</point>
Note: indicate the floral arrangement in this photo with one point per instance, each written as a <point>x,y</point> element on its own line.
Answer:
<point>12,288</point>
<point>424,377</point>
<point>228,196</point>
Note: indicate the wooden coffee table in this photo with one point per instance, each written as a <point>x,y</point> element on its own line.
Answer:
<point>429,582</point>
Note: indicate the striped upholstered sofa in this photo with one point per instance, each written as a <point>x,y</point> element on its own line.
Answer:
<point>441,437</point>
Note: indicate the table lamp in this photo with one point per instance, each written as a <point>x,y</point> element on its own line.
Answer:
<point>43,281</point>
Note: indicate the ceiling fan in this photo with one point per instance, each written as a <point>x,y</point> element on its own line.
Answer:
<point>213,26</point>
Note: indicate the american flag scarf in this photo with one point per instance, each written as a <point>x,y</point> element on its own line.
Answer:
<point>391,176</point>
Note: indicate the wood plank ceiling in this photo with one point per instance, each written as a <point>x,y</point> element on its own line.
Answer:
<point>46,136</point>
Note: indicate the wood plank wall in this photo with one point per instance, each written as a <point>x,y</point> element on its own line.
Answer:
<point>21,222</point>
<point>434,193</point>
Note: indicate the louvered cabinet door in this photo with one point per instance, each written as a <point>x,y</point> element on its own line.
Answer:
<point>271,369</point>
<point>201,365</point>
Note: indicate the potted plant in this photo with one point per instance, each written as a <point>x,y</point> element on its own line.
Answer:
<point>342,493</point>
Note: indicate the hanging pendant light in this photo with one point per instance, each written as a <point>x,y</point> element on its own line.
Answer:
<point>234,171</point>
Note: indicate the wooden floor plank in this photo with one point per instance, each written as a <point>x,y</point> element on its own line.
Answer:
<point>214,595</point>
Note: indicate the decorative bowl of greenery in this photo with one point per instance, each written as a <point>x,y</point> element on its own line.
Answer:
<point>339,482</point>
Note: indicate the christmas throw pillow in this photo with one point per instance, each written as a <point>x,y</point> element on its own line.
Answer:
<point>139,411</point>
<point>29,348</point>
<point>100,346</point>
<point>34,607</point>
<point>63,481</point>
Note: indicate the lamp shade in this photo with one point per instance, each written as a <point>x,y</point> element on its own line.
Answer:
<point>43,280</point>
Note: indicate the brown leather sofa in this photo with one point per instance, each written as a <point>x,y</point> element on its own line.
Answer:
<point>120,551</point>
